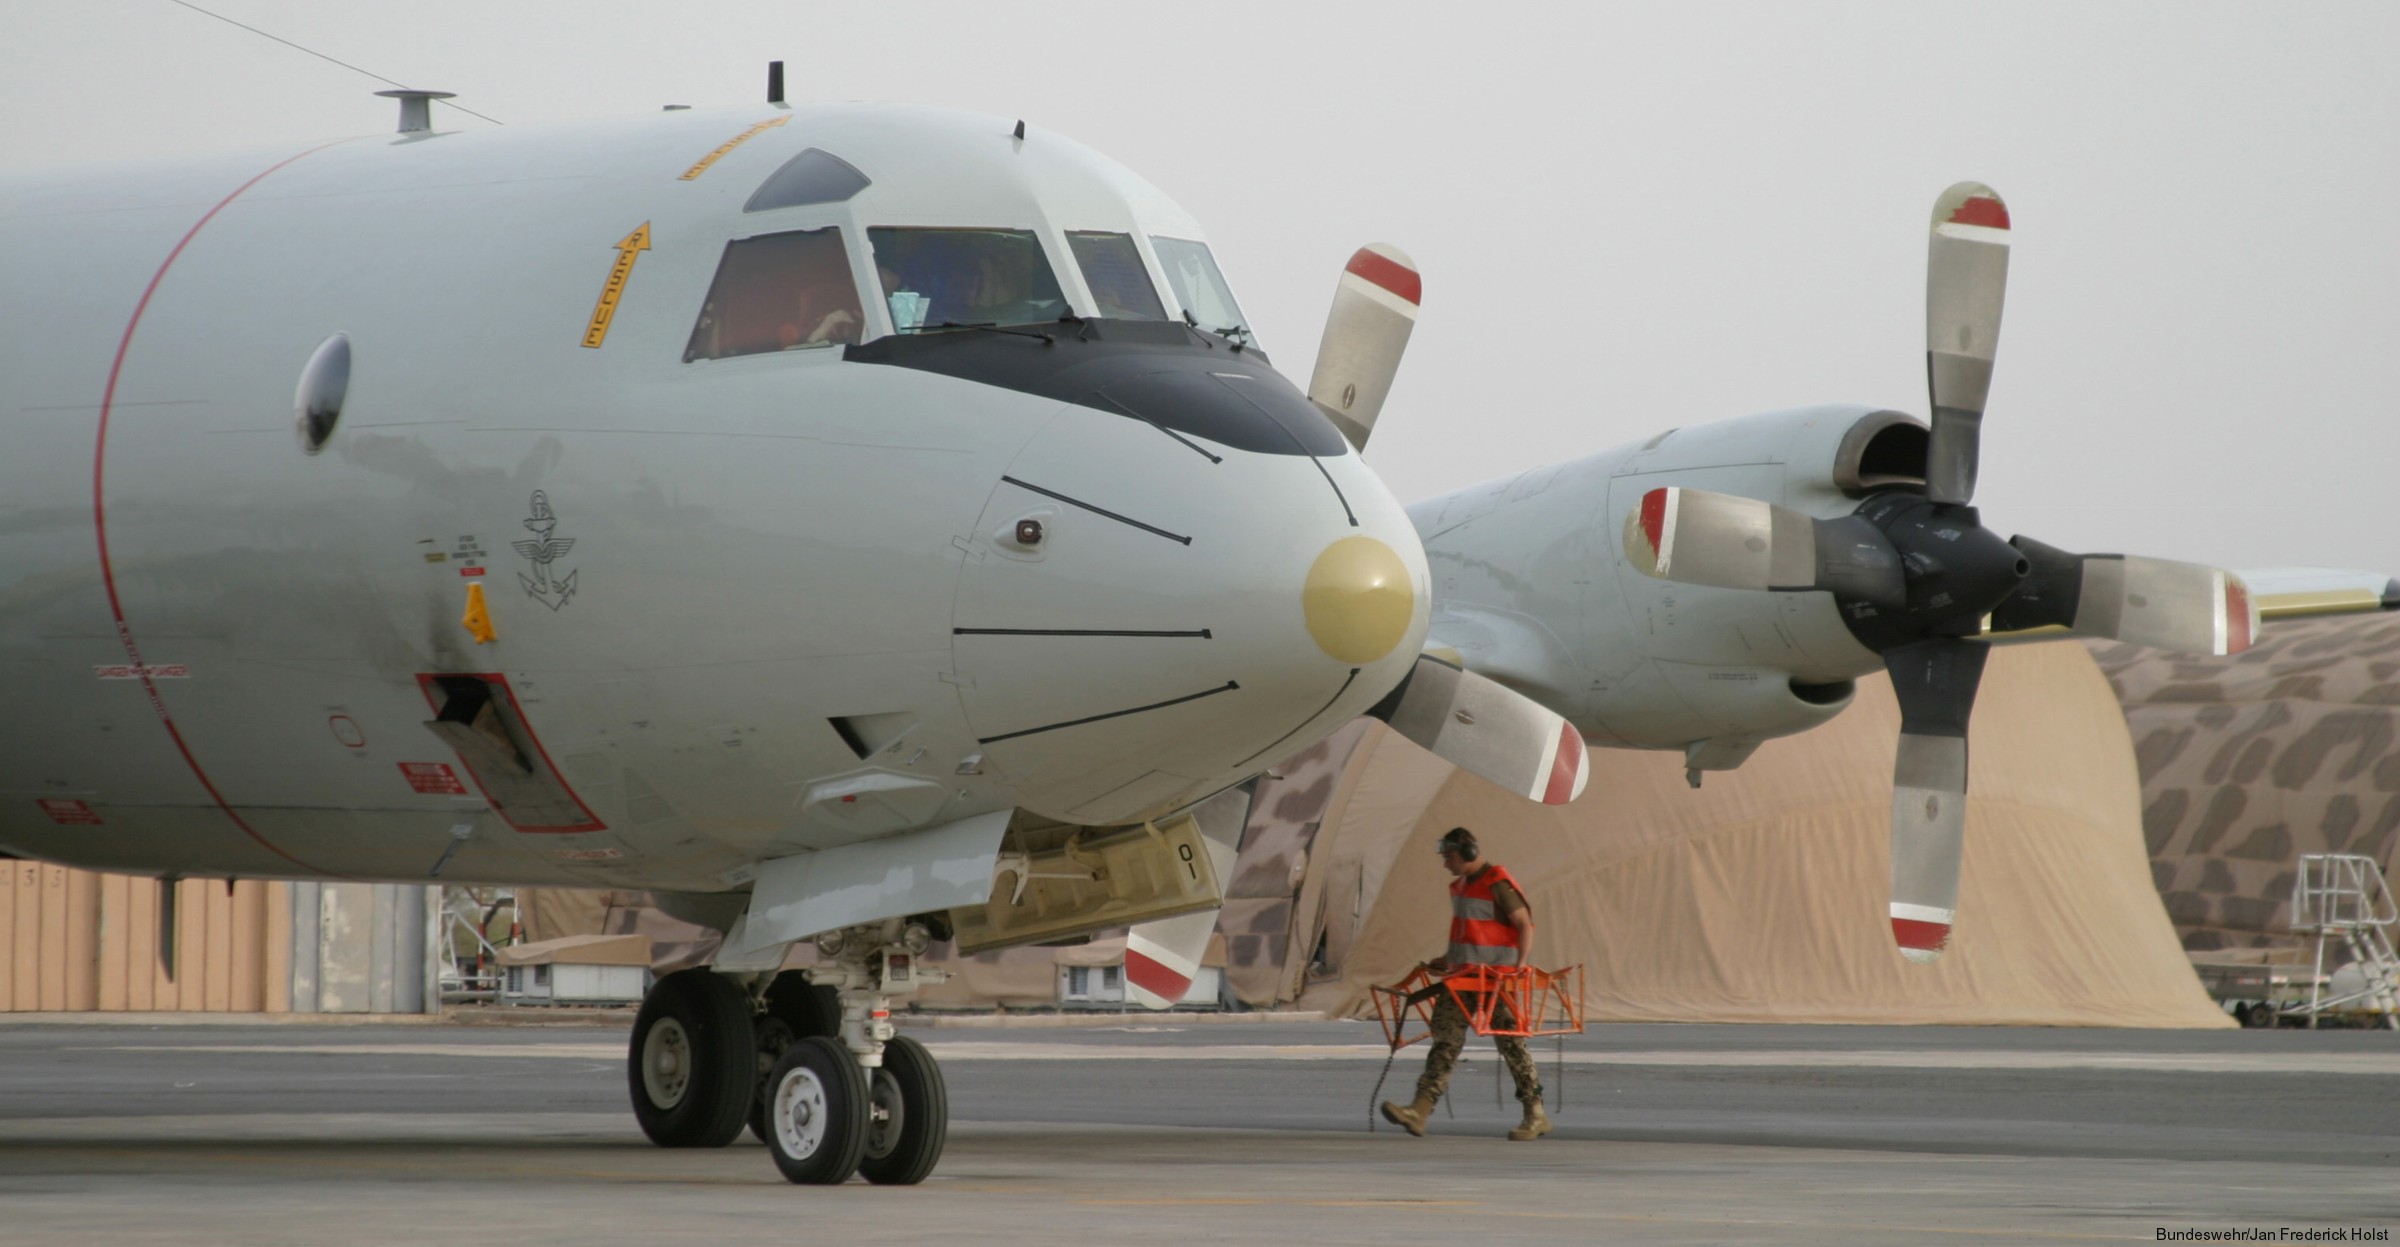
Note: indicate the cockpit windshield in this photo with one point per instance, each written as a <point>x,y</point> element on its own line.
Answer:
<point>936,278</point>
<point>778,292</point>
<point>1192,274</point>
<point>1119,282</point>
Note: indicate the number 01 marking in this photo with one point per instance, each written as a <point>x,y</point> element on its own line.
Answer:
<point>1184,851</point>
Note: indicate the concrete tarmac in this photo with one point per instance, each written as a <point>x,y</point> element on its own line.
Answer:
<point>1175,1130</point>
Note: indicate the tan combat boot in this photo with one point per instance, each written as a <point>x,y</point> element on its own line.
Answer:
<point>1535,1125</point>
<point>1410,1117</point>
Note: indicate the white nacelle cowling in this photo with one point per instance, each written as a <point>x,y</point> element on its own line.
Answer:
<point>1532,586</point>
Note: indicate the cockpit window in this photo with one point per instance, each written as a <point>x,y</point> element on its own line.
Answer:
<point>1192,274</point>
<point>778,292</point>
<point>1113,269</point>
<point>814,176</point>
<point>937,278</point>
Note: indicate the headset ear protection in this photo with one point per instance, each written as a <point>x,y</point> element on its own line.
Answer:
<point>1461,841</point>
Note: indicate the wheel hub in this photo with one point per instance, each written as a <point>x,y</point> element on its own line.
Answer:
<point>666,1063</point>
<point>799,1117</point>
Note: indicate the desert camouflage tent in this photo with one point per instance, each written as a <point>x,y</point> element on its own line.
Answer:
<point>2247,762</point>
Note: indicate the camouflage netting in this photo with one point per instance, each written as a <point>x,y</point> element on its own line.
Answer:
<point>2247,762</point>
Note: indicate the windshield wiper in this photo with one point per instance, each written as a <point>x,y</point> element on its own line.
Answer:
<point>986,326</point>
<point>1228,333</point>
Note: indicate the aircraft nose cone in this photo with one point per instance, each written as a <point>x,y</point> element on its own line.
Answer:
<point>1357,600</point>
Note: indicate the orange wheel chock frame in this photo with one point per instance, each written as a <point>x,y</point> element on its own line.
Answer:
<point>1544,1002</point>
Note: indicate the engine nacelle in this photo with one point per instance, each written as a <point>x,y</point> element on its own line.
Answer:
<point>1532,586</point>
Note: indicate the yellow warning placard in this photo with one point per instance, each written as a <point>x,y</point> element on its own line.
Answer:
<point>605,311</point>
<point>734,142</point>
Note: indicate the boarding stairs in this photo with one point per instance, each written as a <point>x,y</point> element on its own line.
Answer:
<point>2343,901</point>
<point>468,955</point>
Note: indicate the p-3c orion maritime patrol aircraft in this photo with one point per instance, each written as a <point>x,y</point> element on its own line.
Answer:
<point>874,525</point>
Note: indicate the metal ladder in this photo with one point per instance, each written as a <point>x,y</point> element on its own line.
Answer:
<point>2342,896</point>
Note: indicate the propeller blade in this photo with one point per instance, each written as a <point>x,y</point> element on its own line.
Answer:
<point>1935,682</point>
<point>1374,310</point>
<point>1695,537</point>
<point>1488,729</point>
<point>1162,958</point>
<point>1966,280</point>
<point>2186,607</point>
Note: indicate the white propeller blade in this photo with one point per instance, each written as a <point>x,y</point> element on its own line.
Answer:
<point>1934,682</point>
<point>1490,730</point>
<point>1694,537</point>
<point>1374,311</point>
<point>2183,607</point>
<point>2186,607</point>
<point>1966,281</point>
<point>1162,958</point>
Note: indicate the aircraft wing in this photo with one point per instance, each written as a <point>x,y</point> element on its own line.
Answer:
<point>2297,592</point>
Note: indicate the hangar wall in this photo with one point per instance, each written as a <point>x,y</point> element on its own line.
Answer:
<point>76,940</point>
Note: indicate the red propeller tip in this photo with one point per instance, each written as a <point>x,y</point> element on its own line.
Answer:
<point>1920,940</point>
<point>1656,506</point>
<point>1990,213</point>
<point>1388,273</point>
<point>1566,767</point>
<point>1155,977</point>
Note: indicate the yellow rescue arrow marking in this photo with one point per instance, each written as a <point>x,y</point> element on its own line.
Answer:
<point>606,310</point>
<point>734,142</point>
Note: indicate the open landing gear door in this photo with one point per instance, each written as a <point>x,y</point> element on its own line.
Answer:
<point>1060,881</point>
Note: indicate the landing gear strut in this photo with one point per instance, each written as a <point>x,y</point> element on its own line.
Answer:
<point>860,1100</point>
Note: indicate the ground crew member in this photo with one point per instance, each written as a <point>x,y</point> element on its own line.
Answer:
<point>1490,925</point>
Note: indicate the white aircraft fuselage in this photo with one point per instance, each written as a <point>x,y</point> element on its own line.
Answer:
<point>742,606</point>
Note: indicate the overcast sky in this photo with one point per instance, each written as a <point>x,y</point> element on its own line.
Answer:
<point>1629,216</point>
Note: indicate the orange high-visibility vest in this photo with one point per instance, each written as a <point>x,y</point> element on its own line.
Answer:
<point>1480,935</point>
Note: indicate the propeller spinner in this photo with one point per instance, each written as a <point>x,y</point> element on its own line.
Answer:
<point>1923,583</point>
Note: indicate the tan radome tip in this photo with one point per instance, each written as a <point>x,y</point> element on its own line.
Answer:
<point>1357,600</point>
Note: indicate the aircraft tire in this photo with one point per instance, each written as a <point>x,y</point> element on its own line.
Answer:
<point>817,1113</point>
<point>691,1061</point>
<point>796,1009</point>
<point>902,1147</point>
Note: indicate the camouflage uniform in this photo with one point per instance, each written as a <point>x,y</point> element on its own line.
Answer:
<point>1449,1026</point>
<point>1450,1035</point>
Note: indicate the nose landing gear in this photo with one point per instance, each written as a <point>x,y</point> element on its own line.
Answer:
<point>813,1067</point>
<point>863,1100</point>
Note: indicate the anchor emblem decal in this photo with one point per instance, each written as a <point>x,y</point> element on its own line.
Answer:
<point>542,586</point>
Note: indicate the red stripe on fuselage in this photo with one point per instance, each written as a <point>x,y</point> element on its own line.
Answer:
<point>1387,273</point>
<point>108,575</point>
